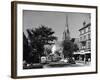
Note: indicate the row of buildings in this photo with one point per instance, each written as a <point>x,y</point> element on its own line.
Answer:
<point>83,41</point>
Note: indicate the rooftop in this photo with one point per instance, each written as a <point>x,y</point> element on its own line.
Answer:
<point>89,24</point>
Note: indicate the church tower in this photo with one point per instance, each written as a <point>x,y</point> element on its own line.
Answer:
<point>66,33</point>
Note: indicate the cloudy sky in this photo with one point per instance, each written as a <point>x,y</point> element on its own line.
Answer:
<point>56,21</point>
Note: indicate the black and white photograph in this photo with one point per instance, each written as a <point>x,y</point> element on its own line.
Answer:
<point>56,39</point>
<point>53,39</point>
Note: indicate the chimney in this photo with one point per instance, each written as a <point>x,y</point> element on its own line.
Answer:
<point>84,23</point>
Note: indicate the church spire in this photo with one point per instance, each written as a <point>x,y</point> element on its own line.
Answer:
<point>66,33</point>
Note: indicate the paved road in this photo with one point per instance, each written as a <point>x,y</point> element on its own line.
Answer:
<point>68,65</point>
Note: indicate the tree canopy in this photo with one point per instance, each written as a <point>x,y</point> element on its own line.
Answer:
<point>39,37</point>
<point>69,47</point>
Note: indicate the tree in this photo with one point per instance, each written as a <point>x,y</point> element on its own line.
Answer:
<point>26,49</point>
<point>47,49</point>
<point>39,37</point>
<point>76,47</point>
<point>68,48</point>
<point>73,40</point>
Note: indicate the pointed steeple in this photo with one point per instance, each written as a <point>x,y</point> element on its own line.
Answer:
<point>66,33</point>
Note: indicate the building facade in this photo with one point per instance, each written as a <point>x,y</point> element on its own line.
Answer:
<point>85,37</point>
<point>84,54</point>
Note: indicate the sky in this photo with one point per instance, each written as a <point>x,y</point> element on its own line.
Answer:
<point>56,21</point>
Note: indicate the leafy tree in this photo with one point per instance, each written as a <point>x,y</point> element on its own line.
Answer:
<point>26,49</point>
<point>76,47</point>
<point>39,37</point>
<point>68,48</point>
<point>47,50</point>
<point>72,40</point>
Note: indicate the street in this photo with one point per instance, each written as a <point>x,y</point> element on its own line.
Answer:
<point>78,64</point>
